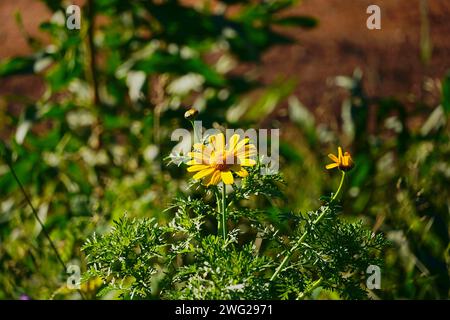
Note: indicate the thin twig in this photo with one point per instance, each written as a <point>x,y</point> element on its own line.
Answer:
<point>44,230</point>
<point>91,55</point>
<point>310,289</point>
<point>224,211</point>
<point>302,238</point>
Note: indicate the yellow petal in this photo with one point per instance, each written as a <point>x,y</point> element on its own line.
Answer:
<point>333,157</point>
<point>242,144</point>
<point>219,143</point>
<point>241,172</point>
<point>199,157</point>
<point>350,160</point>
<point>245,147</point>
<point>227,177</point>
<point>331,165</point>
<point>340,154</point>
<point>207,180</point>
<point>192,162</point>
<point>349,156</point>
<point>198,146</point>
<point>214,179</point>
<point>246,162</point>
<point>345,161</point>
<point>203,173</point>
<point>233,142</point>
<point>247,152</point>
<point>197,167</point>
<point>208,151</point>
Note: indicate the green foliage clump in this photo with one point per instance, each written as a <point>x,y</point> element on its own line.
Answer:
<point>89,147</point>
<point>187,258</point>
<point>128,254</point>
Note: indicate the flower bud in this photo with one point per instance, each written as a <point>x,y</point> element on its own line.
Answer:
<point>191,114</point>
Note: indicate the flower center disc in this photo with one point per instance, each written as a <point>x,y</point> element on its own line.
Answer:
<point>224,162</point>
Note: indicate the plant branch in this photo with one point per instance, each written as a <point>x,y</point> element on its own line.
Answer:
<point>310,289</point>
<point>224,211</point>
<point>91,54</point>
<point>44,230</point>
<point>302,238</point>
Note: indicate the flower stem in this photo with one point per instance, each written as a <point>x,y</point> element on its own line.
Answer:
<point>41,223</point>
<point>219,209</point>
<point>197,134</point>
<point>302,238</point>
<point>33,210</point>
<point>92,72</point>
<point>311,288</point>
<point>224,211</point>
<point>340,187</point>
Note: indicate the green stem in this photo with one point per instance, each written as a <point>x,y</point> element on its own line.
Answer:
<point>219,208</point>
<point>33,210</point>
<point>311,288</point>
<point>302,238</point>
<point>197,135</point>
<point>41,223</point>
<point>193,128</point>
<point>224,211</point>
<point>340,186</point>
<point>91,56</point>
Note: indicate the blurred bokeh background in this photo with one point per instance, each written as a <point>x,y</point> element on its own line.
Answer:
<point>86,117</point>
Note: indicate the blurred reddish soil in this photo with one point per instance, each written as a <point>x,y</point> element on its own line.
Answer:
<point>389,58</point>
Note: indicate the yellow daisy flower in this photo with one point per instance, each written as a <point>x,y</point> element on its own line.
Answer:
<point>215,161</point>
<point>343,161</point>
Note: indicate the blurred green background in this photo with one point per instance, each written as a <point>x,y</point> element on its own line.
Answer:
<point>86,117</point>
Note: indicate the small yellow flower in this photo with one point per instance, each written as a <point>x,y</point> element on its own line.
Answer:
<point>217,162</point>
<point>343,161</point>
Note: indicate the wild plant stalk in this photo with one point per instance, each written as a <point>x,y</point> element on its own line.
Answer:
<point>220,199</point>
<point>302,238</point>
<point>91,53</point>
<point>426,47</point>
<point>33,210</point>
<point>310,289</point>
<point>233,263</point>
<point>224,211</point>
<point>44,230</point>
<point>219,209</point>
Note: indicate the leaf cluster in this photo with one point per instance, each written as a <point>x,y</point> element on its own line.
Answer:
<point>187,259</point>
